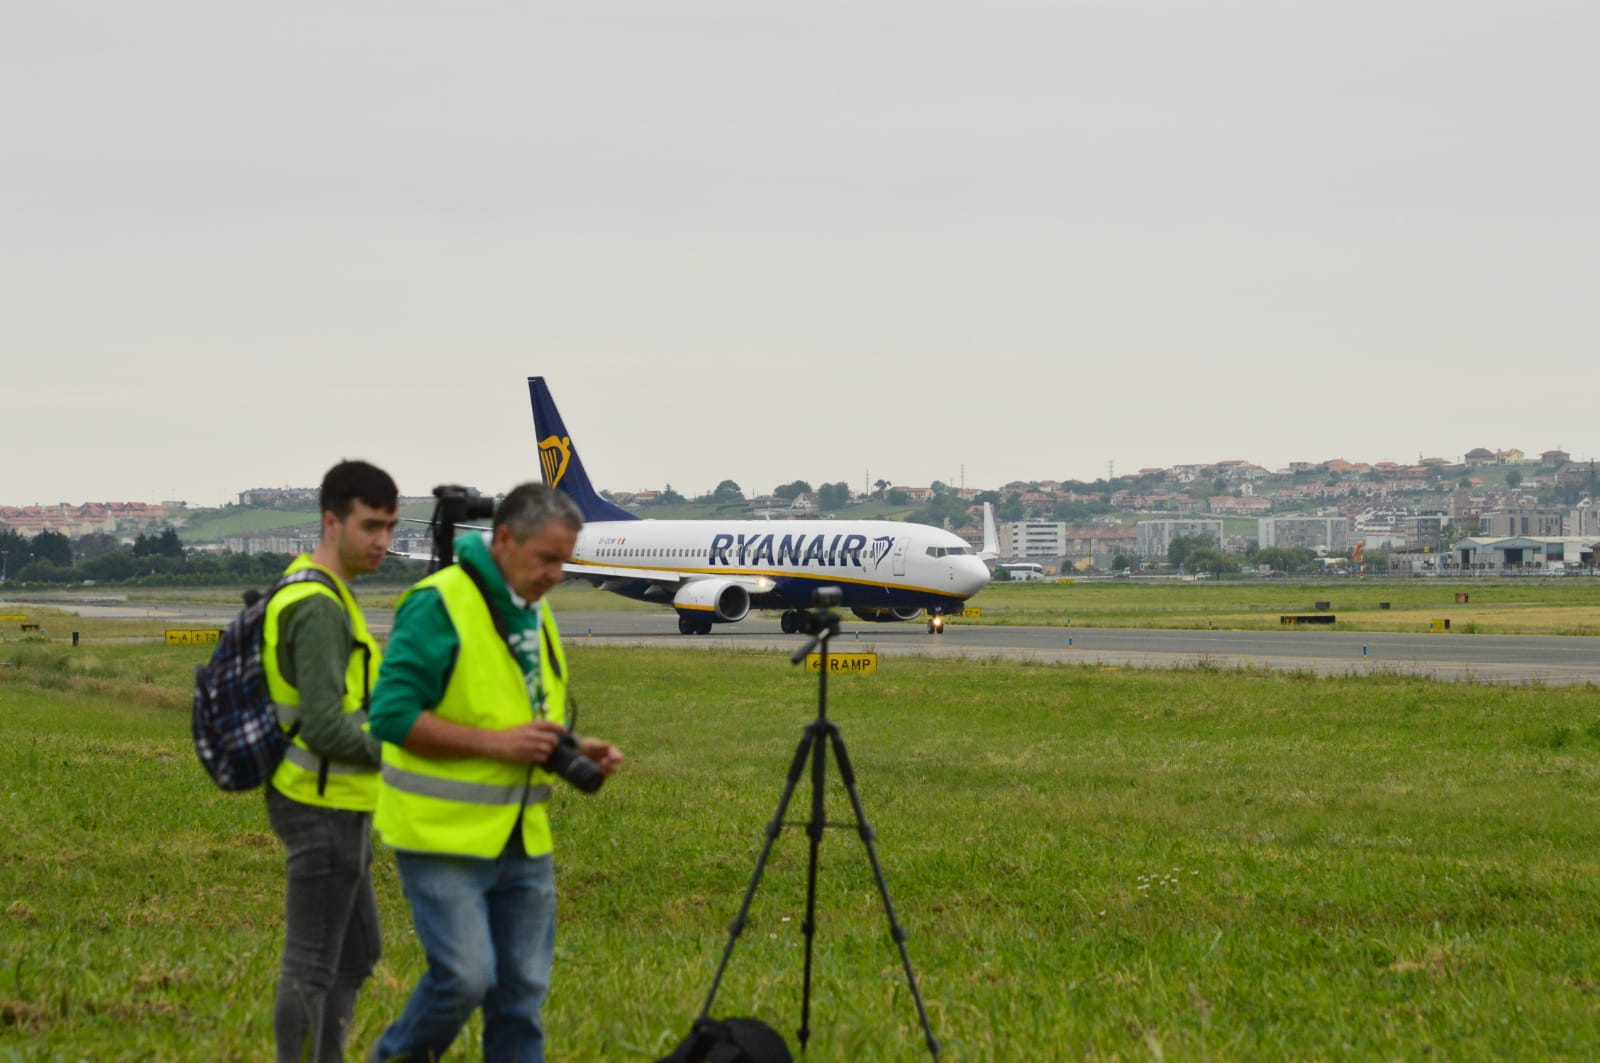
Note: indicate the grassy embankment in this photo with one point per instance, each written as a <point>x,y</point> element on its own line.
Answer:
<point>1124,864</point>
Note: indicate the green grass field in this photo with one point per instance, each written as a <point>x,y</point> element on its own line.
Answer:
<point>1192,864</point>
<point>1510,607</point>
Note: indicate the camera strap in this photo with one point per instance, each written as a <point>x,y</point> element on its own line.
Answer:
<point>503,626</point>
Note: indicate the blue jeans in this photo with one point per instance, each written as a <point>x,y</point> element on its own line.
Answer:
<point>331,939</point>
<point>488,928</point>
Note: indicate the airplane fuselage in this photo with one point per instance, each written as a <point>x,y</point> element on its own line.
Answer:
<point>875,564</point>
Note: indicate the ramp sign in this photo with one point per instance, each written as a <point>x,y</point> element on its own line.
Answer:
<point>844,663</point>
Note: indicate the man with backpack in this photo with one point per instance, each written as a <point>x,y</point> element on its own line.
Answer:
<point>472,709</point>
<point>321,664</point>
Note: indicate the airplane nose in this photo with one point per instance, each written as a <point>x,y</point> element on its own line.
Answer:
<point>970,577</point>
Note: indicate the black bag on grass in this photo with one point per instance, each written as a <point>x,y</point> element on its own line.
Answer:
<point>730,1041</point>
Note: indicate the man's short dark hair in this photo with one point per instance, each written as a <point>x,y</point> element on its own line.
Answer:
<point>530,506</point>
<point>350,481</point>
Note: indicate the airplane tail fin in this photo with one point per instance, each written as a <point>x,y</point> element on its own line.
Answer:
<point>559,466</point>
<point>991,537</point>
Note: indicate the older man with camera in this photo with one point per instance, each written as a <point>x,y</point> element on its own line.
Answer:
<point>471,705</point>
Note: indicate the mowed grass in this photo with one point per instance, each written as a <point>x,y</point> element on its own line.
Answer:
<point>1532,606</point>
<point>1565,606</point>
<point>1089,863</point>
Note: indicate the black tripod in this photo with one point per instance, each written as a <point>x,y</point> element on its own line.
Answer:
<point>819,734</point>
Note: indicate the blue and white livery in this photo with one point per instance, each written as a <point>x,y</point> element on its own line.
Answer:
<point>716,571</point>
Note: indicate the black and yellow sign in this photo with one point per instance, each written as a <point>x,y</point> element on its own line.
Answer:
<point>12,616</point>
<point>844,663</point>
<point>192,636</point>
<point>972,610</point>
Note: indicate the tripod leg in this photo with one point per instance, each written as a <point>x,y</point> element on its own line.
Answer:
<point>814,829</point>
<point>895,930</point>
<point>807,740</point>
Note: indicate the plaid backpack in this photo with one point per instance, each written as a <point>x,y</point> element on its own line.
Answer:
<point>236,732</point>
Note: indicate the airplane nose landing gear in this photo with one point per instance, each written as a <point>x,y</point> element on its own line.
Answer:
<point>935,624</point>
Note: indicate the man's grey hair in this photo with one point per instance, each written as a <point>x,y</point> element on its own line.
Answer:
<point>530,506</point>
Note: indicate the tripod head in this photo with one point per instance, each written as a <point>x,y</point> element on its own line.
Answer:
<point>820,621</point>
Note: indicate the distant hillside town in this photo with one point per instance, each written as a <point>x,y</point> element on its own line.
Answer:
<point>109,518</point>
<point>1493,511</point>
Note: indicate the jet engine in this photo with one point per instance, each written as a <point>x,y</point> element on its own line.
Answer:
<point>886,616</point>
<point>727,600</point>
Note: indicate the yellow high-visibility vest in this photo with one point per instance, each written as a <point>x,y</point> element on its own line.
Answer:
<point>467,806</point>
<point>304,775</point>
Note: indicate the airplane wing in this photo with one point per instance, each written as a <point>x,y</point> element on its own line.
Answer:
<point>414,555</point>
<point>662,583</point>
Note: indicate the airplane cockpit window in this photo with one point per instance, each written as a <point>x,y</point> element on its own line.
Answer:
<point>947,551</point>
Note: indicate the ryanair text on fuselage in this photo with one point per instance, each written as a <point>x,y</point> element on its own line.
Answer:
<point>738,549</point>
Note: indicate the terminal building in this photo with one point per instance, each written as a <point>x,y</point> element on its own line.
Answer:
<point>1524,554</point>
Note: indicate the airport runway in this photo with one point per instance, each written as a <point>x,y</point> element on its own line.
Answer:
<point>1473,658</point>
<point>1557,660</point>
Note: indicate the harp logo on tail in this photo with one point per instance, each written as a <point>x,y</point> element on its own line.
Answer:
<point>554,456</point>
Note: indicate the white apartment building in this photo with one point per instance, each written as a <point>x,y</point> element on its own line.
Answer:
<point>1583,519</point>
<point>1154,536</point>
<point>1318,534</point>
<point>1033,538</point>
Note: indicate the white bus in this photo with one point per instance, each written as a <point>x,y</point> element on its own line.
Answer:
<point>1020,571</point>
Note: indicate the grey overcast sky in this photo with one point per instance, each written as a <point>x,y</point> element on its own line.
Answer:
<point>761,242</point>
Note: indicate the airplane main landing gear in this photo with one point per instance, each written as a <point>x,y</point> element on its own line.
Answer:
<point>693,625</point>
<point>790,621</point>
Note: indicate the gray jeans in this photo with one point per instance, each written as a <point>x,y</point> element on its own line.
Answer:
<point>331,940</point>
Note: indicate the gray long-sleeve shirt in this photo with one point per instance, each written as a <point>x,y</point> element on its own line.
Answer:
<point>314,645</point>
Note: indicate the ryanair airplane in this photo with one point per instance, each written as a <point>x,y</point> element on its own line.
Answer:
<point>716,571</point>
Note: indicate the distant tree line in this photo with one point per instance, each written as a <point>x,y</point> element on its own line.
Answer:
<point>156,559</point>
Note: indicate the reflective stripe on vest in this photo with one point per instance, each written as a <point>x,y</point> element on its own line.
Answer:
<point>468,793</point>
<point>307,761</point>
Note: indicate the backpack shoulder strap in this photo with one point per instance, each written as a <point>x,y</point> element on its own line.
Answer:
<point>307,575</point>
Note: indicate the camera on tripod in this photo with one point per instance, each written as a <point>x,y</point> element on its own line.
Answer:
<point>819,617</point>
<point>455,505</point>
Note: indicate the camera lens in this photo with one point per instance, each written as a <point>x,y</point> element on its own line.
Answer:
<point>573,766</point>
